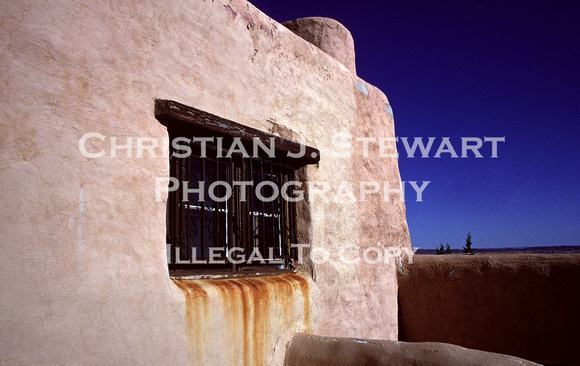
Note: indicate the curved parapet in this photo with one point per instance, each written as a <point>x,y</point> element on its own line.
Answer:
<point>306,349</point>
<point>328,35</point>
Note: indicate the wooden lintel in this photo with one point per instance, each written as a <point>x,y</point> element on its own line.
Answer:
<point>171,113</point>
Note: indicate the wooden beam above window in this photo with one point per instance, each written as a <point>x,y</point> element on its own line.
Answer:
<point>173,114</point>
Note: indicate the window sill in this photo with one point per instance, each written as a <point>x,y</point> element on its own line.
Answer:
<point>224,274</point>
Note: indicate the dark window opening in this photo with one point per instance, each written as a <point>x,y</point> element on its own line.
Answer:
<point>231,210</point>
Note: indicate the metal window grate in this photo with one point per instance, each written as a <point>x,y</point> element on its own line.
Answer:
<point>251,223</point>
<point>195,227</point>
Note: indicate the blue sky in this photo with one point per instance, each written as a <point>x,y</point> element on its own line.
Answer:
<point>475,68</point>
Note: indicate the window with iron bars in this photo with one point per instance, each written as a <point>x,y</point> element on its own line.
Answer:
<point>230,210</point>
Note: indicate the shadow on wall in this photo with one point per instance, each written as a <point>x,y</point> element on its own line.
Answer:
<point>526,305</point>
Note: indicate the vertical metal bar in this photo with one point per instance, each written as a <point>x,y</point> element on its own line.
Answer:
<point>230,212</point>
<point>282,219</point>
<point>273,208</point>
<point>217,205</point>
<point>289,211</point>
<point>252,212</point>
<point>171,212</point>
<point>177,207</point>
<point>280,205</point>
<point>293,209</point>
<point>262,245</point>
<point>245,214</point>
<point>238,206</point>
<point>181,210</point>
<point>203,234</point>
<point>291,214</point>
<point>188,241</point>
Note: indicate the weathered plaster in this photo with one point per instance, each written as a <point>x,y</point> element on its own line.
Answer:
<point>521,304</point>
<point>82,252</point>
<point>311,350</point>
<point>328,35</point>
<point>245,321</point>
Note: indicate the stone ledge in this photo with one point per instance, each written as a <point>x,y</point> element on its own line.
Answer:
<point>311,350</point>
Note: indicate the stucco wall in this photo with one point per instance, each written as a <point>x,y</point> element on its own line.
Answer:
<point>246,321</point>
<point>82,241</point>
<point>519,304</point>
<point>311,350</point>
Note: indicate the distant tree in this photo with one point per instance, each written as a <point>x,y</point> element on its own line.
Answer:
<point>467,247</point>
<point>447,249</point>
<point>439,249</point>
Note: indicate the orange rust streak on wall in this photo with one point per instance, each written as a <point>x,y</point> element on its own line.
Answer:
<point>260,313</point>
<point>196,314</point>
<point>231,297</point>
<point>245,309</point>
<point>248,315</point>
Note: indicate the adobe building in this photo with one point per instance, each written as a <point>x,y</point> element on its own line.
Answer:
<point>84,254</point>
<point>104,261</point>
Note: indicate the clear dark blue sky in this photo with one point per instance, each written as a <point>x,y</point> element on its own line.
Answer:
<point>476,68</point>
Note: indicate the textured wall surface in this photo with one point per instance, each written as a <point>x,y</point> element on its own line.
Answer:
<point>245,321</point>
<point>328,35</point>
<point>311,350</point>
<point>82,240</point>
<point>519,304</point>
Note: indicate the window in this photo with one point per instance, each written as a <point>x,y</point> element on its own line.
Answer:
<point>232,194</point>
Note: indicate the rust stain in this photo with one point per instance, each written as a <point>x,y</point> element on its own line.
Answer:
<point>237,302</point>
<point>191,289</point>
<point>260,314</point>
<point>231,297</point>
<point>196,315</point>
<point>254,310</point>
